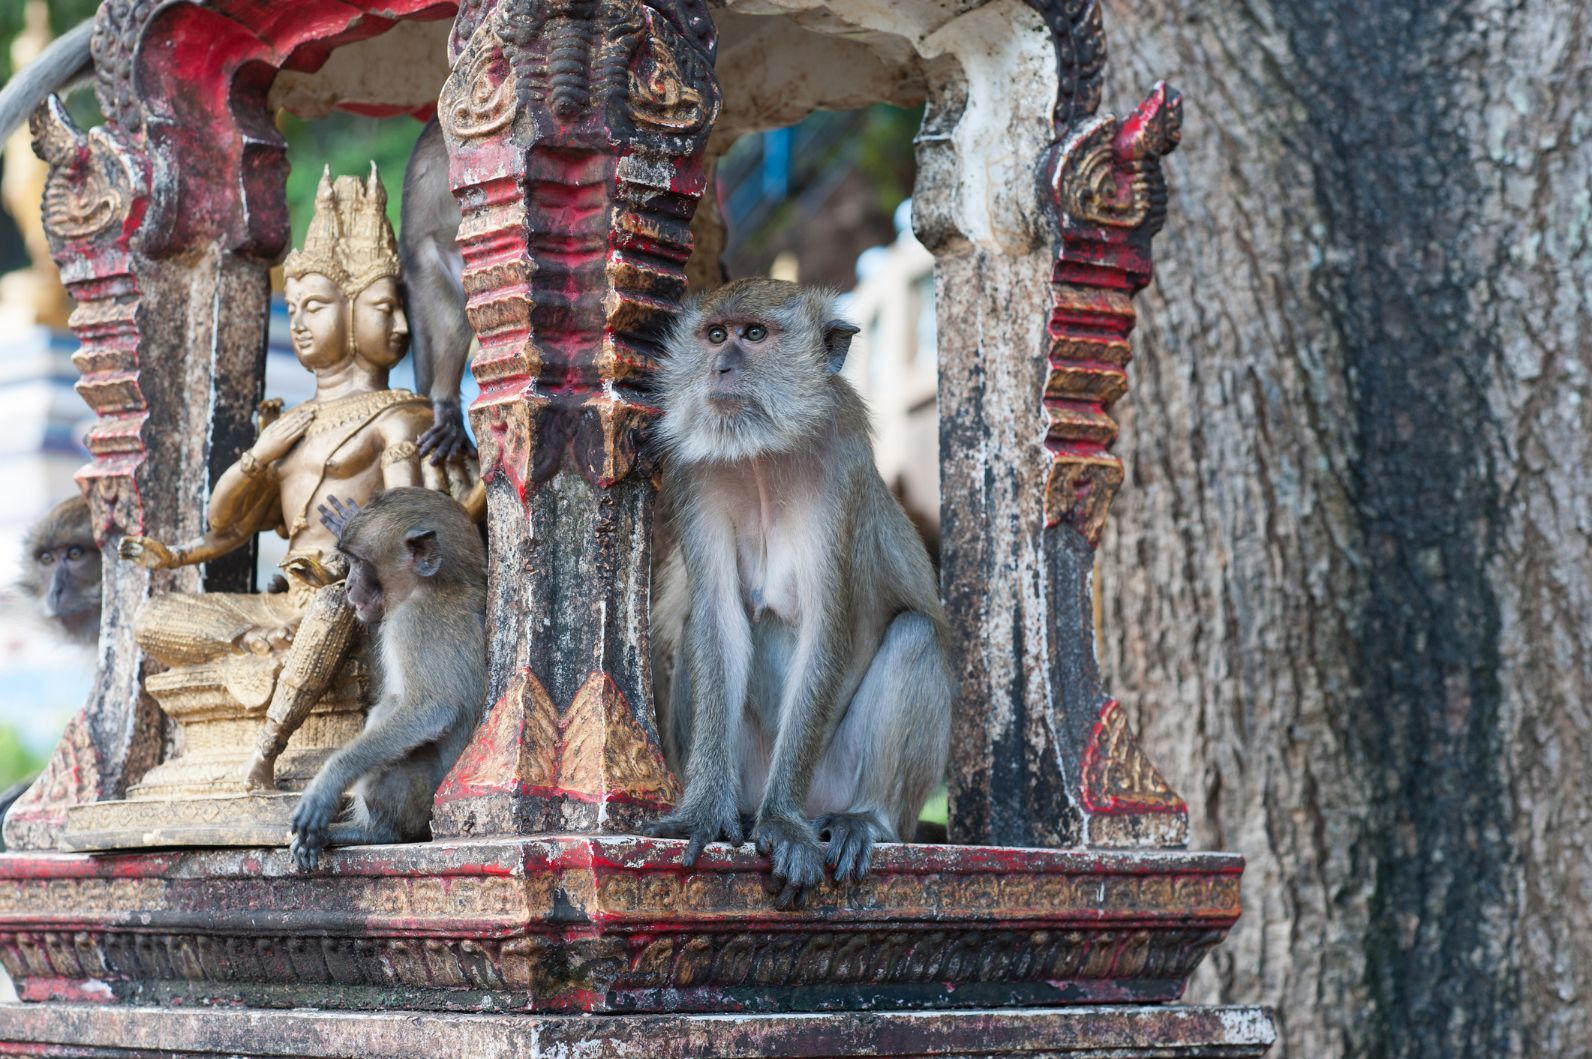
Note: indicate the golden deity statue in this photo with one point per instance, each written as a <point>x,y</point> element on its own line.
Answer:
<point>353,439</point>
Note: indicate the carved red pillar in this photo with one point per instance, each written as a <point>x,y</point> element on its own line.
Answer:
<point>576,130</point>
<point>1083,780</point>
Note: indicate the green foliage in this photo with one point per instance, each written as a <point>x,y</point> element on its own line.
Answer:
<point>64,14</point>
<point>937,810</point>
<point>348,143</point>
<point>885,152</point>
<point>17,762</point>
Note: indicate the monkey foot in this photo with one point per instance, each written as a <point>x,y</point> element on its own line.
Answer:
<point>850,838</point>
<point>446,438</point>
<point>306,851</point>
<point>796,859</point>
<point>701,827</point>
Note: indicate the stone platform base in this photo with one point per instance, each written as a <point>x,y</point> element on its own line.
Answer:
<point>1078,1033</point>
<point>616,924</point>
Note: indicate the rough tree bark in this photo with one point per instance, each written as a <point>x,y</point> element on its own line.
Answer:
<point>1347,582</point>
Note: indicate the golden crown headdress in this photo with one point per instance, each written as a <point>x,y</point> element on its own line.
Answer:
<point>350,240</point>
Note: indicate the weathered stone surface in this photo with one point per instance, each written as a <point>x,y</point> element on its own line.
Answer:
<point>570,923</point>
<point>1078,1033</point>
<point>576,140</point>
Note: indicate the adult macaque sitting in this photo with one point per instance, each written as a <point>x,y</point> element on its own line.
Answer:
<point>354,438</point>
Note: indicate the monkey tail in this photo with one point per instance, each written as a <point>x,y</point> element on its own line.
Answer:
<point>66,60</point>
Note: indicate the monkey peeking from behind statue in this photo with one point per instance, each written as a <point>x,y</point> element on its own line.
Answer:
<point>417,576</point>
<point>813,683</point>
<point>61,571</point>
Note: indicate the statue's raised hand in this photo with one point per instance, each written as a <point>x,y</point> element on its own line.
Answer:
<point>275,440</point>
<point>148,553</point>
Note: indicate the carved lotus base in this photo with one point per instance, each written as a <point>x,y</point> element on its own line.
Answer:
<point>197,798</point>
<point>614,924</point>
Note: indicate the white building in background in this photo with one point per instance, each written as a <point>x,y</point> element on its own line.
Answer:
<point>42,680</point>
<point>893,364</point>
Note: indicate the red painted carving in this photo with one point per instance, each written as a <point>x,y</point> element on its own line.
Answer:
<point>576,130</point>
<point>93,203</point>
<point>592,752</point>
<point>72,777</point>
<point>189,81</point>
<point>1106,183</point>
<point>1118,777</point>
<point>612,924</point>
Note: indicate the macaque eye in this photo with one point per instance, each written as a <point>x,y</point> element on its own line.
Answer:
<point>45,558</point>
<point>74,553</point>
<point>756,333</point>
<point>717,334</point>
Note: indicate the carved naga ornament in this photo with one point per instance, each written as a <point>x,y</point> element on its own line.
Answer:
<point>1102,178</point>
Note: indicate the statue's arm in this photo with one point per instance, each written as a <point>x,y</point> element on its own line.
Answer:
<point>400,430</point>
<point>239,508</point>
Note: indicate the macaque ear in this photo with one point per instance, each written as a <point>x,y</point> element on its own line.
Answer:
<point>425,554</point>
<point>837,343</point>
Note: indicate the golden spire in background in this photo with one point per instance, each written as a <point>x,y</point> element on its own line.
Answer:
<point>36,292</point>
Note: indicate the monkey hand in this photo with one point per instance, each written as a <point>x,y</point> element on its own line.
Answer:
<point>796,858</point>
<point>148,553</point>
<point>312,823</point>
<point>336,512</point>
<point>701,824</point>
<point>447,438</point>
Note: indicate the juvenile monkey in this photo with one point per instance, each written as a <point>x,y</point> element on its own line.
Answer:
<point>815,681</point>
<point>417,575</point>
<point>61,569</point>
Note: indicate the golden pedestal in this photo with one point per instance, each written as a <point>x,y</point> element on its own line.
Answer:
<point>197,797</point>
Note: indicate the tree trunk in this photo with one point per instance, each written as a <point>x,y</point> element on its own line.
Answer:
<point>1346,584</point>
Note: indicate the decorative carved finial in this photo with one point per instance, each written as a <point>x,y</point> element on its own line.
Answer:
<point>1106,184</point>
<point>85,192</point>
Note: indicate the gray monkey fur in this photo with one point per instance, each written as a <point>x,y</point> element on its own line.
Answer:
<point>425,558</point>
<point>798,634</point>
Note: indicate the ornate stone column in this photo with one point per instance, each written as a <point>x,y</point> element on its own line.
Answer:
<point>1028,475</point>
<point>576,131</point>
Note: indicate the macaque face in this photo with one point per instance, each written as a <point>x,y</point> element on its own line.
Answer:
<point>735,351</point>
<point>381,331</point>
<point>69,570</point>
<point>365,591</point>
<point>318,324</point>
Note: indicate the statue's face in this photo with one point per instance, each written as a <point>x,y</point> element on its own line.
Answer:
<point>381,331</point>
<point>318,324</point>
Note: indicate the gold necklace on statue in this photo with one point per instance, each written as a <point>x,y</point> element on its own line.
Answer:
<point>343,410</point>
